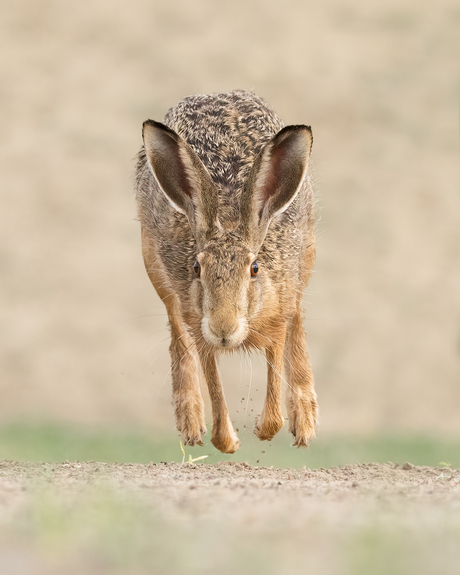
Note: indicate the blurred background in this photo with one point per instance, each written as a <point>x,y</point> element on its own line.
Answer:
<point>83,336</point>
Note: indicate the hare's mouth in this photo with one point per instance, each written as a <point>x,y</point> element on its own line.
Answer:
<point>224,335</point>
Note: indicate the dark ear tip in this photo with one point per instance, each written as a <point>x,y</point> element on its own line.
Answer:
<point>301,128</point>
<point>160,127</point>
<point>151,124</point>
<point>293,129</point>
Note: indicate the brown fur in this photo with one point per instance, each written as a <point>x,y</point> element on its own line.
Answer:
<point>225,184</point>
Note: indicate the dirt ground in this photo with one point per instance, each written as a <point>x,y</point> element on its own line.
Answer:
<point>169,517</point>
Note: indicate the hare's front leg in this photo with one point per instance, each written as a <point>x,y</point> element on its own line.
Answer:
<point>300,394</point>
<point>223,437</point>
<point>187,398</point>
<point>271,419</point>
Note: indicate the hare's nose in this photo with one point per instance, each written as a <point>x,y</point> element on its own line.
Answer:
<point>223,330</point>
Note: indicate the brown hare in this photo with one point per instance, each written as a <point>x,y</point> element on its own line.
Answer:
<point>226,210</point>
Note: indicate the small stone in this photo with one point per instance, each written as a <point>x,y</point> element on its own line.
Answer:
<point>407,466</point>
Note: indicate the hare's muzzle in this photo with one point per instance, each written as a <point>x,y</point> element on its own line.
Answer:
<point>224,333</point>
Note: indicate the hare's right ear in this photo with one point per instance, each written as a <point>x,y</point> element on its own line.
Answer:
<point>182,177</point>
<point>274,180</point>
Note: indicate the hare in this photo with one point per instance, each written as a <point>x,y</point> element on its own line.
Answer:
<point>227,221</point>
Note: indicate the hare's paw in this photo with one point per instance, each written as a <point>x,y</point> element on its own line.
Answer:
<point>226,444</point>
<point>192,433</point>
<point>191,424</point>
<point>303,437</point>
<point>193,437</point>
<point>303,418</point>
<point>224,438</point>
<point>268,425</point>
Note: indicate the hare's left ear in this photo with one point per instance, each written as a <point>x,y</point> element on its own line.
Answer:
<point>274,181</point>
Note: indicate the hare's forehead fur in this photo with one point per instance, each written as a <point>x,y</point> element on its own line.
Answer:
<point>225,258</point>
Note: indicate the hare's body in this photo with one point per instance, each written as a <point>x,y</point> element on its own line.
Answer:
<point>226,210</point>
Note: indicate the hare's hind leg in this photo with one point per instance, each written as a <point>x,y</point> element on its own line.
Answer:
<point>223,437</point>
<point>271,419</point>
<point>301,395</point>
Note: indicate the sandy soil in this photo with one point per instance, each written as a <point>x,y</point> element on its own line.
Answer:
<point>206,486</point>
<point>227,502</point>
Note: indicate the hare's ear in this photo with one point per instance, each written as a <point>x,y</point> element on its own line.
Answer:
<point>182,176</point>
<point>275,179</point>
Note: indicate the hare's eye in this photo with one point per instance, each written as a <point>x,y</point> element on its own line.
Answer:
<point>254,268</point>
<point>197,269</point>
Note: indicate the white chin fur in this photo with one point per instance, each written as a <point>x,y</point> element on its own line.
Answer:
<point>231,341</point>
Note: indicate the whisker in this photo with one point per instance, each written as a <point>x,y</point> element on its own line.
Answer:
<point>249,390</point>
<point>169,295</point>
<point>152,362</point>
<point>241,372</point>
<point>155,270</point>
<point>149,315</point>
<point>262,335</point>
<point>149,349</point>
<point>282,378</point>
<point>178,359</point>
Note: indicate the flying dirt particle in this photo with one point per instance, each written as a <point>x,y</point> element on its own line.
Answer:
<point>263,451</point>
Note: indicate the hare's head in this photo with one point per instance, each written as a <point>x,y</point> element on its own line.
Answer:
<point>228,285</point>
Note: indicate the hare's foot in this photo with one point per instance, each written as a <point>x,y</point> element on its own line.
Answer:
<point>268,425</point>
<point>303,416</point>
<point>224,438</point>
<point>192,433</point>
<point>191,423</point>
